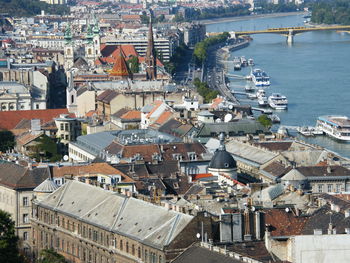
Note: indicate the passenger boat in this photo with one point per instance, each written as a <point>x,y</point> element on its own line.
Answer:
<point>335,126</point>
<point>260,78</point>
<point>278,101</point>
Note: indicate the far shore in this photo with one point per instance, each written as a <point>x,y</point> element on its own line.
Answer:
<point>241,18</point>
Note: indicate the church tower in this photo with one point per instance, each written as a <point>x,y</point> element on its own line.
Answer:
<point>89,47</point>
<point>151,59</point>
<point>97,39</point>
<point>68,48</point>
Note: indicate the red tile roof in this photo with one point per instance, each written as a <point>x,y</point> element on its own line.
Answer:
<point>283,223</point>
<point>131,115</point>
<point>89,170</point>
<point>196,177</point>
<point>9,119</point>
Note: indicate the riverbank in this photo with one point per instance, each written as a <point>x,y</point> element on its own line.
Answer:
<point>242,18</point>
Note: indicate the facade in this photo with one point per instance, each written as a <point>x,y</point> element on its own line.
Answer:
<point>15,96</point>
<point>68,129</point>
<point>193,33</point>
<point>108,227</point>
<point>16,194</point>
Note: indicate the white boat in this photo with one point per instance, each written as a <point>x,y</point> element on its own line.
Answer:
<point>250,62</point>
<point>261,96</point>
<point>335,126</point>
<point>262,101</point>
<point>251,96</point>
<point>278,101</point>
<point>309,131</point>
<point>244,62</point>
<point>260,78</point>
<point>274,118</point>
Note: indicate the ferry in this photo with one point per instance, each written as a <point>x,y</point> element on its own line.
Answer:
<point>260,78</point>
<point>278,101</point>
<point>335,126</point>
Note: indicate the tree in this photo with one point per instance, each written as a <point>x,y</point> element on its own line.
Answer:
<point>265,121</point>
<point>134,64</point>
<point>7,140</point>
<point>50,256</point>
<point>8,239</point>
<point>46,149</point>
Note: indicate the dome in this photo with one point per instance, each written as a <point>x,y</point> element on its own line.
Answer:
<point>222,160</point>
<point>47,186</point>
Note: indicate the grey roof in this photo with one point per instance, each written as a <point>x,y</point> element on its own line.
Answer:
<point>222,160</point>
<point>197,254</point>
<point>205,113</point>
<point>139,220</point>
<point>15,176</point>
<point>293,175</point>
<point>13,87</point>
<point>48,186</point>
<point>147,108</point>
<point>237,128</point>
<point>96,142</point>
<point>306,158</point>
<point>245,151</point>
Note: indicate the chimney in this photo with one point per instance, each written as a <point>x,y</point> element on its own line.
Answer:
<point>329,169</point>
<point>330,229</point>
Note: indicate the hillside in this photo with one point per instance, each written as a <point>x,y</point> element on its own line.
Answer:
<point>19,8</point>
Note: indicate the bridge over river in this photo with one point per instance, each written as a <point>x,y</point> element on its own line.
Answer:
<point>289,32</point>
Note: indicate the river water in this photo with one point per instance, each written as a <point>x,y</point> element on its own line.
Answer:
<point>314,72</point>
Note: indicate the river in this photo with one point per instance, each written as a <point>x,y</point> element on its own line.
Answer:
<point>313,72</point>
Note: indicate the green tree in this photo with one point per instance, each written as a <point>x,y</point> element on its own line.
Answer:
<point>50,256</point>
<point>134,64</point>
<point>45,149</point>
<point>8,239</point>
<point>7,140</point>
<point>265,121</point>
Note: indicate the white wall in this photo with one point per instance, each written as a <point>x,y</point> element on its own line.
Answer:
<point>320,249</point>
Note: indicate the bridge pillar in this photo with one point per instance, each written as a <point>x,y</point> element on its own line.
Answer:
<point>290,37</point>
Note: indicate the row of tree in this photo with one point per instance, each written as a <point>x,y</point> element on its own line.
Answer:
<point>213,12</point>
<point>201,48</point>
<point>204,90</point>
<point>331,12</point>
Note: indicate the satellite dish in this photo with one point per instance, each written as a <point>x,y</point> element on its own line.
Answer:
<point>253,208</point>
<point>230,107</point>
<point>228,117</point>
<point>198,235</point>
<point>287,209</point>
<point>65,158</point>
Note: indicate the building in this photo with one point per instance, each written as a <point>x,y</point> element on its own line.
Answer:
<point>16,194</point>
<point>109,227</point>
<point>15,96</point>
<point>68,128</point>
<point>193,33</point>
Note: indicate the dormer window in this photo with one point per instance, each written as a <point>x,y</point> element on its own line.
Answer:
<point>177,157</point>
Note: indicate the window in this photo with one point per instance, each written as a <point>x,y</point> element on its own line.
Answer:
<point>127,247</point>
<point>25,218</point>
<point>338,188</point>
<point>67,137</point>
<point>25,201</point>
<point>121,245</point>
<point>320,188</point>
<point>62,127</point>
<point>25,235</point>
<point>37,106</point>
<point>66,126</point>
<point>329,188</point>
<point>133,249</point>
